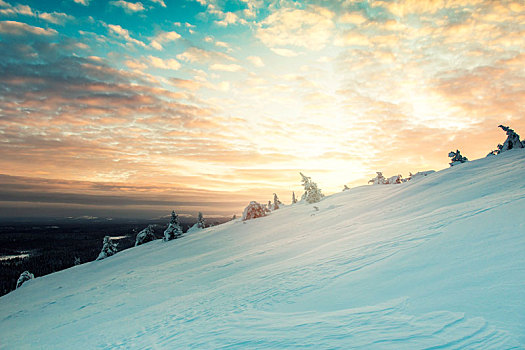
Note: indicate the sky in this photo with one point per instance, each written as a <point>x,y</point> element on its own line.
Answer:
<point>134,108</point>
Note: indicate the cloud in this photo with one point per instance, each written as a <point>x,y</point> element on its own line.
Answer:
<point>285,52</point>
<point>164,37</point>
<point>355,18</point>
<point>311,28</point>
<point>82,2</point>
<point>124,33</point>
<point>229,18</point>
<point>160,2</point>
<point>226,67</point>
<point>169,63</point>
<point>60,198</point>
<point>24,10</point>
<point>20,29</point>
<point>197,55</point>
<point>129,7</point>
<point>256,61</point>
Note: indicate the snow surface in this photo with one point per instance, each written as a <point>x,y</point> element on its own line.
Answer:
<point>436,263</point>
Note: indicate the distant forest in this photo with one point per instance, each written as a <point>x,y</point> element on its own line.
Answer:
<point>52,248</point>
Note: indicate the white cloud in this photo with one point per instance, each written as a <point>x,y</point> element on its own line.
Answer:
<point>169,63</point>
<point>128,6</point>
<point>19,28</point>
<point>160,2</point>
<point>256,61</point>
<point>310,28</point>
<point>229,18</point>
<point>196,55</point>
<point>285,52</point>
<point>164,37</point>
<point>82,2</point>
<point>24,10</point>
<point>353,18</point>
<point>136,65</point>
<point>226,67</point>
<point>124,33</point>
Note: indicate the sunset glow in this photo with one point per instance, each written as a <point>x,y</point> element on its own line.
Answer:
<point>130,109</point>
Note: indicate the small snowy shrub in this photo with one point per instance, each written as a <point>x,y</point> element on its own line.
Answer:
<point>145,236</point>
<point>378,180</point>
<point>346,188</point>
<point>253,210</point>
<point>294,200</point>
<point>24,277</point>
<point>109,248</point>
<point>512,141</point>
<point>174,230</point>
<point>456,158</point>
<point>311,194</point>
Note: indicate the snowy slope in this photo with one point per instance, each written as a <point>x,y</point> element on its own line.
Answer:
<point>434,263</point>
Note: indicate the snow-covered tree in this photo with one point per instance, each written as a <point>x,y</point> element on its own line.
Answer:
<point>77,261</point>
<point>24,277</point>
<point>512,141</point>
<point>378,180</point>
<point>253,210</point>
<point>145,236</point>
<point>234,217</point>
<point>174,229</point>
<point>294,200</point>
<point>396,179</point>
<point>269,206</point>
<point>109,248</point>
<point>456,158</point>
<point>199,225</point>
<point>201,222</point>
<point>311,194</point>
<point>276,202</point>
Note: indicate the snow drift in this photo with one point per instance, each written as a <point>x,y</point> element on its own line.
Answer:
<point>438,262</point>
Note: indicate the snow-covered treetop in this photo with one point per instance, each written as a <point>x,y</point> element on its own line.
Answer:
<point>378,180</point>
<point>512,141</point>
<point>253,210</point>
<point>312,194</point>
<point>174,229</point>
<point>276,202</point>
<point>109,248</point>
<point>146,235</point>
<point>24,277</point>
<point>456,158</point>
<point>174,218</point>
<point>201,222</point>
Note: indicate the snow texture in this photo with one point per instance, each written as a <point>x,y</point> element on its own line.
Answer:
<point>109,248</point>
<point>145,236</point>
<point>420,174</point>
<point>436,263</point>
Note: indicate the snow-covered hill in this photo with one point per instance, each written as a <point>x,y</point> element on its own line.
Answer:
<point>438,262</point>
